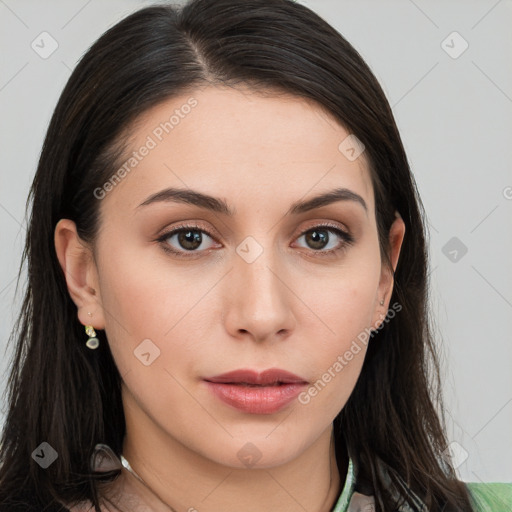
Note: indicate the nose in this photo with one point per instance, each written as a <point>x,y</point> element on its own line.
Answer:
<point>259,299</point>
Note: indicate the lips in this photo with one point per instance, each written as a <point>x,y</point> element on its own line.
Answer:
<point>256,393</point>
<point>269,377</point>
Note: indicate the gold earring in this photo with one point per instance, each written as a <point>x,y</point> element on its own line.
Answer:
<point>92,342</point>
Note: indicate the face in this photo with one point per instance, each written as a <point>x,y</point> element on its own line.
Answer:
<point>259,278</point>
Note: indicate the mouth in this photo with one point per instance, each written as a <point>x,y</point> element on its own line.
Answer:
<point>256,393</point>
<point>248,384</point>
<point>270,377</point>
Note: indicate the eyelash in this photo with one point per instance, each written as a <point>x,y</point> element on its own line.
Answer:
<point>346,237</point>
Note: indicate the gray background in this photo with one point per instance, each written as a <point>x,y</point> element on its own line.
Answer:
<point>454,114</point>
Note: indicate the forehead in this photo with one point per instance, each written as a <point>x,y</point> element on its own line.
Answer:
<point>242,143</point>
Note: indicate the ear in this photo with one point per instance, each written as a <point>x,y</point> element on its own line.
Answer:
<point>385,288</point>
<point>77,263</point>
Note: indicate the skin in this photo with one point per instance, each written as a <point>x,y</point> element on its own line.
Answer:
<point>212,311</point>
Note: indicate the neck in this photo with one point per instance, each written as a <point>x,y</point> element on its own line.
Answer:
<point>185,480</point>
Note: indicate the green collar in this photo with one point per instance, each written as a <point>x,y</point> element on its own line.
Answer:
<point>348,489</point>
<point>351,500</point>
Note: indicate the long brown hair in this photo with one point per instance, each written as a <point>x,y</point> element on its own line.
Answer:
<point>70,396</point>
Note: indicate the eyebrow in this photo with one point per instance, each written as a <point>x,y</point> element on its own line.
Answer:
<point>218,205</point>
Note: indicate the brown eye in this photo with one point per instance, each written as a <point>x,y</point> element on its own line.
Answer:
<point>318,239</point>
<point>188,239</point>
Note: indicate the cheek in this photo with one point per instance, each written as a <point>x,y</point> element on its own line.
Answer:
<point>344,301</point>
<point>131,304</point>
<point>151,337</point>
<point>143,301</point>
<point>346,307</point>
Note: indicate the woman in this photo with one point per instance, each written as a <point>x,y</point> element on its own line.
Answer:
<point>227,297</point>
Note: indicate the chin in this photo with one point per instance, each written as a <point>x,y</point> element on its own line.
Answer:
<point>257,452</point>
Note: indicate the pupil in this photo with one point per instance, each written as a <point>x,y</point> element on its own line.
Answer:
<point>190,239</point>
<point>320,238</point>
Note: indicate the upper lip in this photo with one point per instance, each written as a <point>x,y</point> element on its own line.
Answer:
<point>266,377</point>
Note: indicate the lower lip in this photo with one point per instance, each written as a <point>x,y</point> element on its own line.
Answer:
<point>256,399</point>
